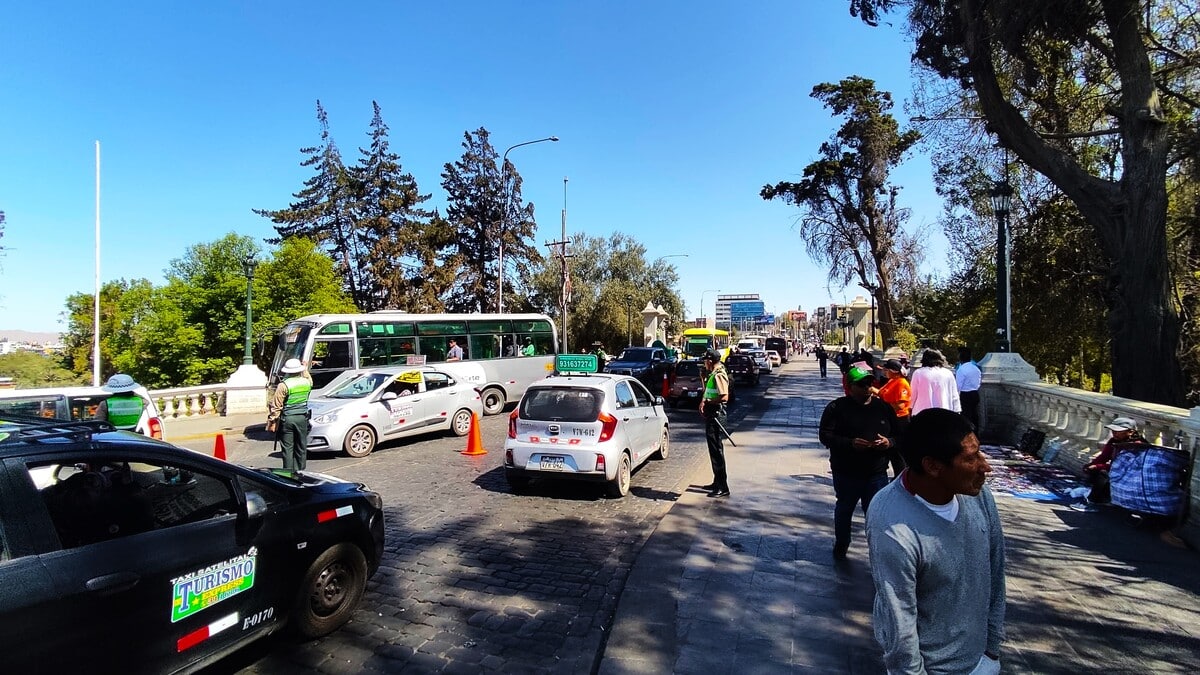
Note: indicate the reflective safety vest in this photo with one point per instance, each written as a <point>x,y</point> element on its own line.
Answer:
<point>125,410</point>
<point>298,389</point>
<point>711,391</point>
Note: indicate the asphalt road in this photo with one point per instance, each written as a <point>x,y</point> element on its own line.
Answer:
<point>475,578</point>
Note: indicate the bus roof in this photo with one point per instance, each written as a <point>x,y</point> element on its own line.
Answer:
<point>396,314</point>
<point>705,331</point>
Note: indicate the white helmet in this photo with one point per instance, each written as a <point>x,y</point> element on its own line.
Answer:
<point>120,383</point>
<point>291,367</point>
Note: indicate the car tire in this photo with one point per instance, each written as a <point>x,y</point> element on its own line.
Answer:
<point>518,484</point>
<point>460,423</point>
<point>493,401</point>
<point>359,441</point>
<point>330,591</point>
<point>619,486</point>
<point>664,447</point>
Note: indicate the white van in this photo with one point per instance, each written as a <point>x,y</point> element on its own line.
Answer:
<point>75,403</point>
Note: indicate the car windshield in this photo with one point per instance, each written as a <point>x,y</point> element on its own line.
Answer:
<point>561,404</point>
<point>637,354</point>
<point>687,369</point>
<point>359,387</point>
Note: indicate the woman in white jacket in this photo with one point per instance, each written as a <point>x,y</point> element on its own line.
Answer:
<point>933,384</point>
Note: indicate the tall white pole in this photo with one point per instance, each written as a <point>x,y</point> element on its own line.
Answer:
<point>96,300</point>
<point>566,272</point>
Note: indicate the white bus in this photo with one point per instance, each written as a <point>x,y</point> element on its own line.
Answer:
<point>502,353</point>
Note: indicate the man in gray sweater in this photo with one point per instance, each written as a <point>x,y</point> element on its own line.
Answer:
<point>937,554</point>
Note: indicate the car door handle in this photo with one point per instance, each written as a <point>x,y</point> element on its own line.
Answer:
<point>112,583</point>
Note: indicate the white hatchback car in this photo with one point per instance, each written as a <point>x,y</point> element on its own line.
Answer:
<point>760,357</point>
<point>592,427</point>
<point>774,357</point>
<point>361,409</point>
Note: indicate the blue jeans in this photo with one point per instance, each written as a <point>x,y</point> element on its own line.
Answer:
<point>850,489</point>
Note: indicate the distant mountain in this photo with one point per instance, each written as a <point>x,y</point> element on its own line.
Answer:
<point>30,336</point>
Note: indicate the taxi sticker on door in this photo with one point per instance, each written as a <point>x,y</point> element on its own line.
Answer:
<point>206,587</point>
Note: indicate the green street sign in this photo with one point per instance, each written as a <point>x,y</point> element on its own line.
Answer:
<point>576,363</point>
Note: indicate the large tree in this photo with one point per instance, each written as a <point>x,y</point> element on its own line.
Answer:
<point>1132,63</point>
<point>849,216</point>
<point>485,211</point>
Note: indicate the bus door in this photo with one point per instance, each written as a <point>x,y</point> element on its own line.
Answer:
<point>331,356</point>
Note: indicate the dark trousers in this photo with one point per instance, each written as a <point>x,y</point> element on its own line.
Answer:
<point>970,406</point>
<point>822,362</point>
<point>716,446</point>
<point>293,441</point>
<point>850,489</point>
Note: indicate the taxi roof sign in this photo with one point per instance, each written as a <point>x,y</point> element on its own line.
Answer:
<point>576,363</point>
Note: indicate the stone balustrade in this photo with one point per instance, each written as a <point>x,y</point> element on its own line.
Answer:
<point>1073,420</point>
<point>190,401</point>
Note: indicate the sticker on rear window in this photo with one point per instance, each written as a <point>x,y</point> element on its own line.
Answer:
<point>206,587</point>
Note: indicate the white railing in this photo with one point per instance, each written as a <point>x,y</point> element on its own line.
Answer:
<point>1073,422</point>
<point>190,401</point>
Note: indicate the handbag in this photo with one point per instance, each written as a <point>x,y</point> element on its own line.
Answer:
<point>1149,479</point>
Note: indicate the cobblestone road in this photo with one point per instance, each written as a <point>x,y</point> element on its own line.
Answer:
<point>476,578</point>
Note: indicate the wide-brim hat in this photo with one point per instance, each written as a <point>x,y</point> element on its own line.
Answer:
<point>120,383</point>
<point>291,367</point>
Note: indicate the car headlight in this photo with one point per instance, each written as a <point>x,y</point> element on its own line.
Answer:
<point>326,418</point>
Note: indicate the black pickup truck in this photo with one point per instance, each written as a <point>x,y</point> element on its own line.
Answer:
<point>648,364</point>
<point>742,368</point>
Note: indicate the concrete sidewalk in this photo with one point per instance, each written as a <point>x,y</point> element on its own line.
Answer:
<point>747,584</point>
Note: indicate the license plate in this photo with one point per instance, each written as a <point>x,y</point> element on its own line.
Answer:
<point>693,394</point>
<point>552,463</point>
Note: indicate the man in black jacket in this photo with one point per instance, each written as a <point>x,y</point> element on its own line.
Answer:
<point>860,431</point>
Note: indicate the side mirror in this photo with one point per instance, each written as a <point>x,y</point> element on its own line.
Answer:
<point>256,506</point>
<point>658,400</point>
<point>388,396</point>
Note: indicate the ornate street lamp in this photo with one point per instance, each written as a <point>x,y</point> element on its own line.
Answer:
<point>248,265</point>
<point>1001,196</point>
<point>504,217</point>
<point>629,320</point>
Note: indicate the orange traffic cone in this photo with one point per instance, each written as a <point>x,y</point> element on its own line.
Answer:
<point>219,448</point>
<point>666,388</point>
<point>474,439</point>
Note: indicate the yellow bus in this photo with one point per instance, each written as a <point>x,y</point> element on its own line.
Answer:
<point>696,341</point>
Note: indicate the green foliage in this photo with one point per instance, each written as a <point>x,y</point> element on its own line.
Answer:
<point>30,369</point>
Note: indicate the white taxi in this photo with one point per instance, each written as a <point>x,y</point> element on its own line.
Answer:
<point>583,425</point>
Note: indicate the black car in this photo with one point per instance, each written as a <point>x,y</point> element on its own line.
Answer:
<point>742,368</point>
<point>648,364</point>
<point>120,553</point>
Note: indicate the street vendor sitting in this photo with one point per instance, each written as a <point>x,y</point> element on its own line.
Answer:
<point>1123,431</point>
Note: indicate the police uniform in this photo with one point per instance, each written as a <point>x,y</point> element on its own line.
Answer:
<point>124,408</point>
<point>713,409</point>
<point>289,415</point>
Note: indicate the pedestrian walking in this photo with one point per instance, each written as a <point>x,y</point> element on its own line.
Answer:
<point>967,377</point>
<point>937,555</point>
<point>860,430</point>
<point>897,393</point>
<point>288,415</point>
<point>124,408</point>
<point>822,357</point>
<point>716,394</point>
<point>933,384</point>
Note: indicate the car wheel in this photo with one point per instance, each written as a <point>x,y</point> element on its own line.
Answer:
<point>360,441</point>
<point>664,447</point>
<point>330,592</point>
<point>518,483</point>
<point>460,424</point>
<point>619,486</point>
<point>493,401</point>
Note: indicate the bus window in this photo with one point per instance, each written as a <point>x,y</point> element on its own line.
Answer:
<point>329,359</point>
<point>489,338</point>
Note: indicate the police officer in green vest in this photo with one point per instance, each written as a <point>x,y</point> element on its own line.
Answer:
<point>716,395</point>
<point>288,414</point>
<point>124,408</point>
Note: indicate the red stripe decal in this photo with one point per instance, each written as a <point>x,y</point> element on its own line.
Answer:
<point>192,639</point>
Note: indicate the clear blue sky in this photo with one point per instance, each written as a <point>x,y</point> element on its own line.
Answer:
<point>672,116</point>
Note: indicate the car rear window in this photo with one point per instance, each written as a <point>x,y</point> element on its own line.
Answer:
<point>687,368</point>
<point>561,404</point>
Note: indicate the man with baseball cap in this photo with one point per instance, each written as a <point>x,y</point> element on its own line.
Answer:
<point>288,414</point>
<point>716,394</point>
<point>860,431</point>
<point>1122,431</point>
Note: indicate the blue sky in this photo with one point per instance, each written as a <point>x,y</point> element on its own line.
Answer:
<point>672,116</point>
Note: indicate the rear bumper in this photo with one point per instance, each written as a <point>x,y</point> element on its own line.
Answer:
<point>585,476</point>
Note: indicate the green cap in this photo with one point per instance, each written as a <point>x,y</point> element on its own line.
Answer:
<point>857,374</point>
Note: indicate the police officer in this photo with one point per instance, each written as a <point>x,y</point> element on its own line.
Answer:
<point>716,394</point>
<point>124,408</point>
<point>288,414</point>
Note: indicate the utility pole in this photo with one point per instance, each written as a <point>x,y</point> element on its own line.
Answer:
<point>565,279</point>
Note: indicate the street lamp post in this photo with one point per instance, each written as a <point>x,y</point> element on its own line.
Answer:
<point>504,217</point>
<point>1001,196</point>
<point>248,265</point>
<point>629,320</point>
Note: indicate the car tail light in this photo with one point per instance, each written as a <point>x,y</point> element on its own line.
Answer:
<point>608,425</point>
<point>508,458</point>
<point>600,465</point>
<point>512,424</point>
<point>156,428</point>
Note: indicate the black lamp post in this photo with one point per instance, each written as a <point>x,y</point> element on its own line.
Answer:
<point>871,288</point>
<point>629,319</point>
<point>1001,196</point>
<point>248,265</point>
